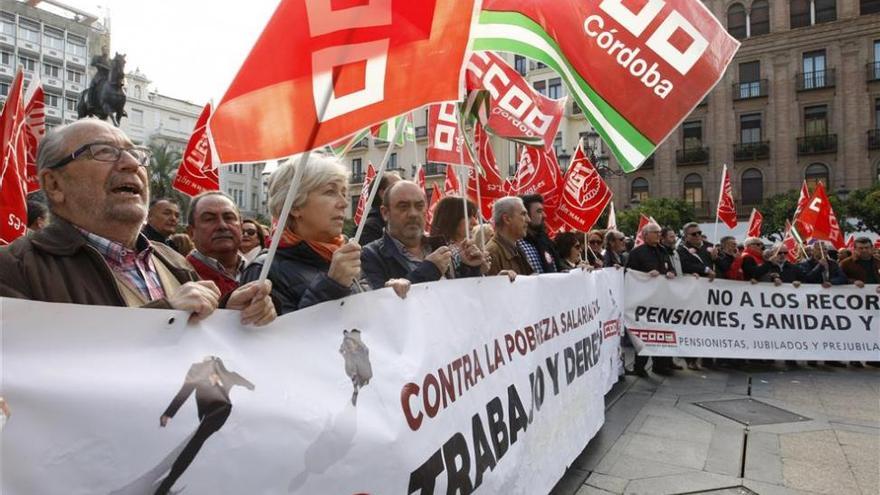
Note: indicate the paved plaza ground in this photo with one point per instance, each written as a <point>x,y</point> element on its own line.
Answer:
<point>776,430</point>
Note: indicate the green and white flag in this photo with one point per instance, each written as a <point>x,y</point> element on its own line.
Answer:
<point>386,130</point>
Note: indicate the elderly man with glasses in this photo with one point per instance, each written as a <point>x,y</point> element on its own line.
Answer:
<point>97,186</point>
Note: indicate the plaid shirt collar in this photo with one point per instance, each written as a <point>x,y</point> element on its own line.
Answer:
<point>114,252</point>
<point>532,255</point>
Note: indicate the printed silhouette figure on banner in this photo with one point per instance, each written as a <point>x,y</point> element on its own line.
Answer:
<point>357,361</point>
<point>211,381</point>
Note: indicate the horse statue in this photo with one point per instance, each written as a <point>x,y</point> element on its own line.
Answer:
<point>105,96</point>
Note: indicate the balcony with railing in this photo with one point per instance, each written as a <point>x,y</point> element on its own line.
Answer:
<point>816,145</point>
<point>648,164</point>
<point>751,151</point>
<point>357,177</point>
<point>874,139</point>
<point>692,156</point>
<point>750,89</point>
<point>421,131</point>
<point>435,169</point>
<point>873,71</point>
<point>820,79</point>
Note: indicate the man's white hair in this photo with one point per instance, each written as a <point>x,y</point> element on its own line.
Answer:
<point>505,206</point>
<point>320,170</point>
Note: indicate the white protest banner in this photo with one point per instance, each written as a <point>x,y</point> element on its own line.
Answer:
<point>686,316</point>
<point>476,385</point>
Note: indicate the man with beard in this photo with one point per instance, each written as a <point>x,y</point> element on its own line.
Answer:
<point>162,220</point>
<point>374,225</point>
<point>215,228</point>
<point>403,252</point>
<point>96,185</point>
<point>724,254</point>
<point>537,246</point>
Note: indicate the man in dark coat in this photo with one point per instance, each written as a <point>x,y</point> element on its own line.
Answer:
<point>539,249</point>
<point>374,224</point>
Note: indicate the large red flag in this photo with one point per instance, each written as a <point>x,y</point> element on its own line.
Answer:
<point>820,216</point>
<point>35,113</point>
<point>803,200</point>
<point>13,164</point>
<point>755,221</point>
<point>197,172</point>
<point>539,173</point>
<point>445,143</point>
<point>491,184</point>
<point>451,186</point>
<point>584,196</point>
<point>643,222</point>
<point>851,242</point>
<point>622,60</point>
<point>358,61</point>
<point>420,179</point>
<point>429,213</point>
<point>517,111</point>
<point>365,193</point>
<point>726,207</point>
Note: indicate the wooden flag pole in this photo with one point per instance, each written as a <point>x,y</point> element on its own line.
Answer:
<point>467,231</point>
<point>374,187</point>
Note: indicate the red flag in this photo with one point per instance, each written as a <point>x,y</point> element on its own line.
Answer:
<point>726,207</point>
<point>539,173</point>
<point>197,172</point>
<point>491,184</point>
<point>755,222</point>
<point>851,242</point>
<point>803,200</point>
<point>35,113</point>
<point>444,141</point>
<point>421,180</point>
<point>820,216</point>
<point>518,112</point>
<point>364,56</point>
<point>877,244</point>
<point>643,221</point>
<point>790,243</point>
<point>451,186</point>
<point>584,195</point>
<point>429,214</point>
<point>365,193</point>
<point>13,164</point>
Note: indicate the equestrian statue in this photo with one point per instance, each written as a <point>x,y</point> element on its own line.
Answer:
<point>105,96</point>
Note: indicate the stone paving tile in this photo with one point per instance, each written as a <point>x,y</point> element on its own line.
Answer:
<point>677,452</point>
<point>628,467</point>
<point>590,490</point>
<point>677,427</point>
<point>681,483</point>
<point>762,458</point>
<point>825,478</point>
<point>814,447</point>
<point>611,484</point>
<point>762,488</point>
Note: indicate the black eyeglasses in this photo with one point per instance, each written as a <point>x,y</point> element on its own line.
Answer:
<point>696,233</point>
<point>109,153</point>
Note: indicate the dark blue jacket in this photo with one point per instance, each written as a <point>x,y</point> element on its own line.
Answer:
<point>299,278</point>
<point>382,261</point>
<point>814,273</point>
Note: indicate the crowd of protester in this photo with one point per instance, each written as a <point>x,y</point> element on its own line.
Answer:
<point>99,240</point>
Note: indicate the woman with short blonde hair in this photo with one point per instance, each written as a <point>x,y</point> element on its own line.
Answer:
<point>313,263</point>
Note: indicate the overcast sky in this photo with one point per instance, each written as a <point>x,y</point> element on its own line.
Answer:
<point>190,49</point>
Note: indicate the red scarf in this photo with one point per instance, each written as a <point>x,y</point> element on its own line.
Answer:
<point>324,249</point>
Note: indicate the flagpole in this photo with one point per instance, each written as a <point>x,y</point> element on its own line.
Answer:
<point>415,146</point>
<point>717,205</point>
<point>374,187</point>
<point>461,145</point>
<point>477,168</point>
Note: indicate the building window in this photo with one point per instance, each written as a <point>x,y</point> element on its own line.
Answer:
<point>74,76</point>
<point>814,69</point>
<point>749,80</point>
<point>557,143</point>
<point>541,87</point>
<point>639,189</point>
<point>4,88</point>
<point>759,18</point>
<point>357,167</point>
<point>815,173</point>
<point>692,133</point>
<point>53,38</point>
<point>810,12</point>
<point>869,7</point>
<point>29,64</point>
<point>5,58</point>
<point>737,24</point>
<point>752,187</point>
<point>76,45</point>
<point>693,189</point>
<point>51,70</point>
<point>52,100</point>
<point>816,120</point>
<point>877,113</point>
<point>70,104</point>
<point>554,88</point>
<point>519,63</point>
<point>7,24</point>
<point>29,30</point>
<point>392,161</point>
<point>750,128</point>
<point>138,92</point>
